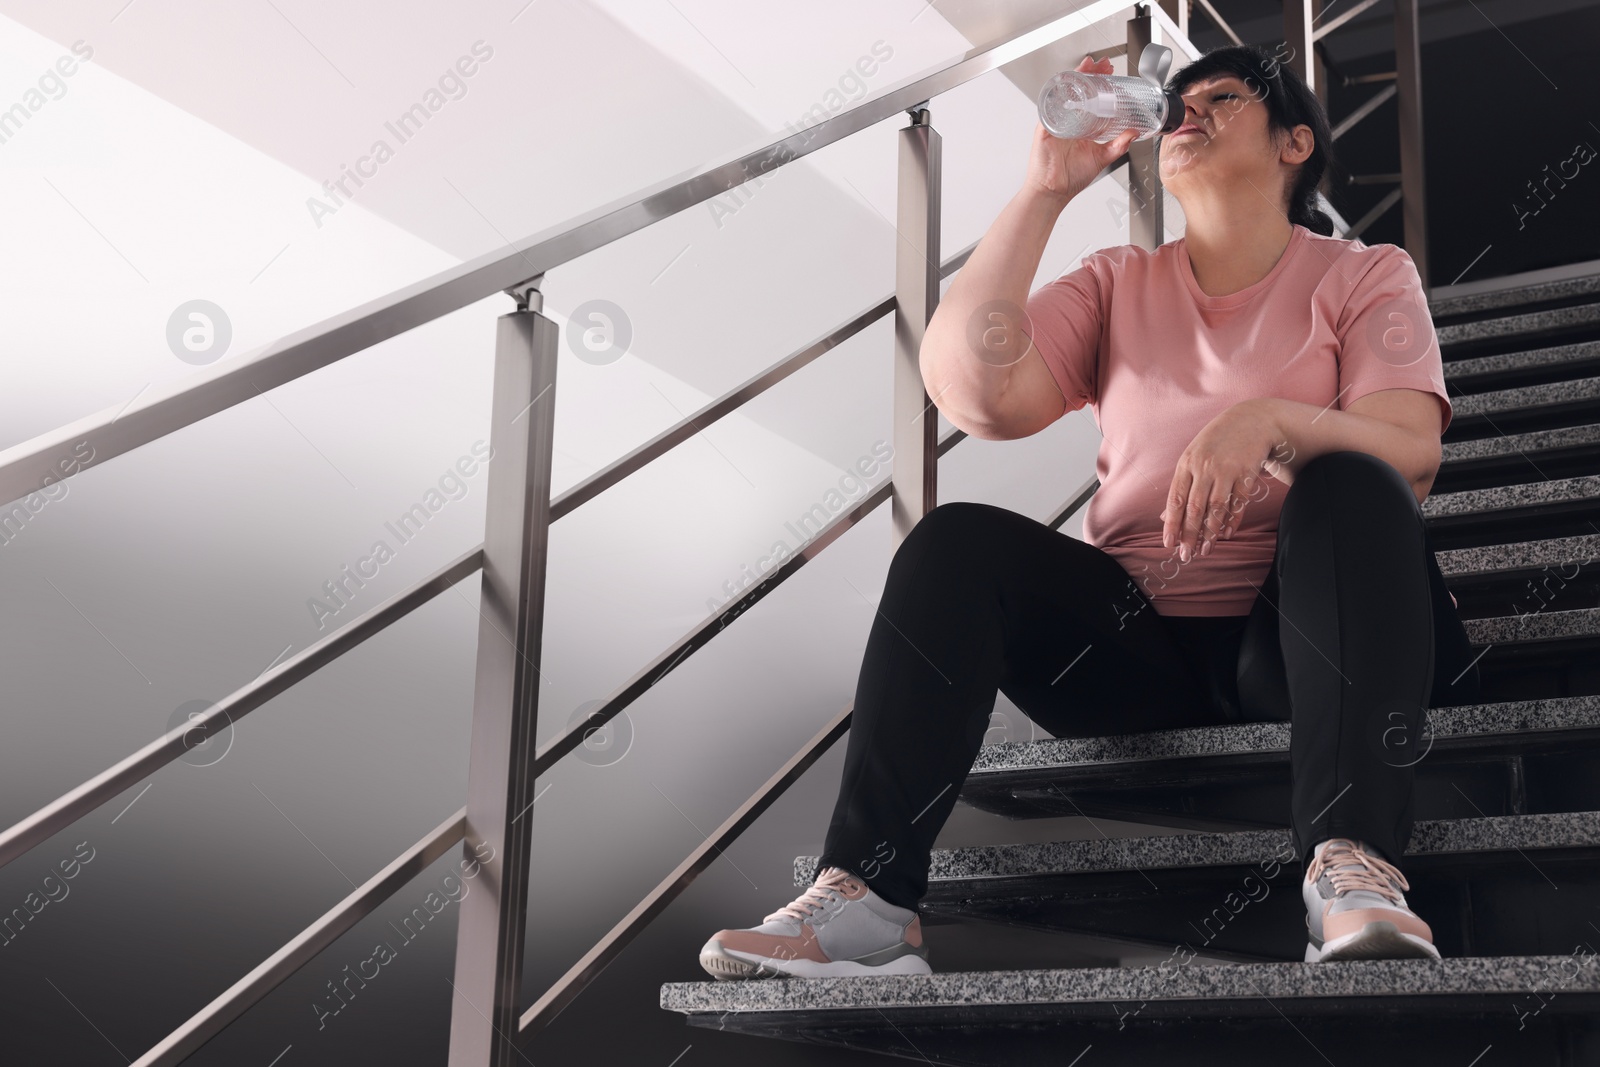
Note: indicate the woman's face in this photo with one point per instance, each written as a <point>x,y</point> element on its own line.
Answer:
<point>1225,141</point>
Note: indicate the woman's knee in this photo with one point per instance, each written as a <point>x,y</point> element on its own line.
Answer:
<point>963,527</point>
<point>1359,478</point>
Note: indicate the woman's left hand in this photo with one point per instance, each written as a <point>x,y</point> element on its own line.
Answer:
<point>1215,476</point>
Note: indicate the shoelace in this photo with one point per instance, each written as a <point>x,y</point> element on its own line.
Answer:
<point>1350,867</point>
<point>825,889</point>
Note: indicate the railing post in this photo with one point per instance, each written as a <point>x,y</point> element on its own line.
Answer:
<point>488,967</point>
<point>1408,86</point>
<point>916,289</point>
<point>1178,12</point>
<point>1299,22</point>
<point>1146,219</point>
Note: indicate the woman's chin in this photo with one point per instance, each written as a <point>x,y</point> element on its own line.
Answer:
<point>1176,174</point>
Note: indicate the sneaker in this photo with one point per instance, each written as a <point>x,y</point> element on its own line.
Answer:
<point>838,926</point>
<point>1355,909</point>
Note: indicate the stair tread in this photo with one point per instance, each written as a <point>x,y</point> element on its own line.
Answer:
<point>1527,358</point>
<point>1526,322</point>
<point>1525,397</point>
<point>1520,443</point>
<point>1026,860</point>
<point>1502,497</point>
<point>1518,555</point>
<point>1534,626</point>
<point>1509,297</point>
<point>1257,983</point>
<point>1483,721</point>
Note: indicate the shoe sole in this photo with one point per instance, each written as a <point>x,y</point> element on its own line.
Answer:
<point>1378,940</point>
<point>725,964</point>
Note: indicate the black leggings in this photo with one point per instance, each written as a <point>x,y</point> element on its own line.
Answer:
<point>980,599</point>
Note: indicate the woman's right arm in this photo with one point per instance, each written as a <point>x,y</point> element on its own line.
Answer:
<point>983,388</point>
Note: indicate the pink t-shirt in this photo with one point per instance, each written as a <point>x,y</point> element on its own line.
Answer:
<point>1130,334</point>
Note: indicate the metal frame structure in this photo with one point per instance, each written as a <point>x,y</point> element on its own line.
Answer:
<point>1308,58</point>
<point>486,1025</point>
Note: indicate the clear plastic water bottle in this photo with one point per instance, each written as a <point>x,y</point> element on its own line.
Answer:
<point>1100,106</point>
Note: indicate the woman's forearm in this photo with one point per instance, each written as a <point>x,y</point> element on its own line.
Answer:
<point>1307,431</point>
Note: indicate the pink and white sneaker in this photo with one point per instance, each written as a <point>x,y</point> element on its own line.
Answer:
<point>1355,909</point>
<point>837,927</point>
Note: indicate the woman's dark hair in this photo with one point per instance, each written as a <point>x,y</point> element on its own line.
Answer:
<point>1289,104</point>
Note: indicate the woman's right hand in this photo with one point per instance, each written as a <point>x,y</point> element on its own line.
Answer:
<point>1063,167</point>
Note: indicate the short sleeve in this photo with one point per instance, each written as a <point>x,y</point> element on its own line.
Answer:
<point>1386,335</point>
<point>1064,321</point>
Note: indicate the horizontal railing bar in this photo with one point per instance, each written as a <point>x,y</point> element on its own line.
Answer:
<point>1332,24</point>
<point>239,997</point>
<point>567,988</point>
<point>1111,50</point>
<point>1171,36</point>
<point>53,456</point>
<point>731,401</point>
<point>1372,179</point>
<point>681,649</point>
<point>727,404</point>
<point>1362,79</point>
<point>1074,502</point>
<point>18,839</point>
<point>1222,23</point>
<point>78,802</point>
<point>691,642</point>
<point>254,986</point>
<point>1378,209</point>
<point>1363,111</point>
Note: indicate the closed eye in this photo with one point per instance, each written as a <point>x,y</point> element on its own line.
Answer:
<point>1224,96</point>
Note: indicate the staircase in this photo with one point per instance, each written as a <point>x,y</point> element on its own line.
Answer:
<point>1504,858</point>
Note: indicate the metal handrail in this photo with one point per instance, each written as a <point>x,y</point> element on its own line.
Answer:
<point>1221,23</point>
<point>342,335</point>
<point>233,1002</point>
<point>17,839</point>
<point>238,998</point>
<point>1334,23</point>
<point>51,456</point>
<point>1367,107</point>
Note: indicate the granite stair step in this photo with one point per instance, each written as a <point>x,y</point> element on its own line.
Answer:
<point>1563,325</point>
<point>1510,458</point>
<point>1546,406</point>
<point>1523,576</point>
<point>1518,757</point>
<point>1558,507</point>
<point>1537,654</point>
<point>1533,296</point>
<point>1535,629</point>
<point>1463,565</point>
<point>1486,886</point>
<point>1536,1011</point>
<point>1527,366</point>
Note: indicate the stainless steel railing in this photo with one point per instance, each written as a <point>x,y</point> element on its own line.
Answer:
<point>486,1025</point>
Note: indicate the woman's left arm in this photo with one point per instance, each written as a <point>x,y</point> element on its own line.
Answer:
<point>1218,474</point>
<point>1399,426</point>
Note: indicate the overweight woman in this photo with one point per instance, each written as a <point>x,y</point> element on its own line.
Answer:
<point>1271,401</point>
